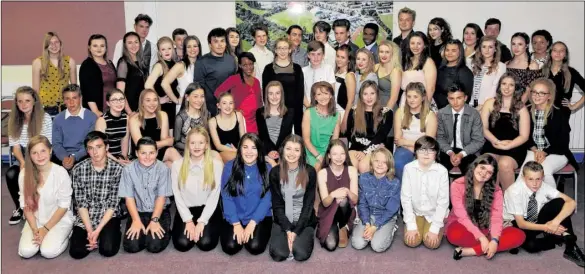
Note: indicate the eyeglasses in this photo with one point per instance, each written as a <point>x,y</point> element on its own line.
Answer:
<point>426,151</point>
<point>118,100</point>
<point>540,94</point>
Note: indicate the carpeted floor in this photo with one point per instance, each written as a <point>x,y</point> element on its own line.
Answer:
<point>398,259</point>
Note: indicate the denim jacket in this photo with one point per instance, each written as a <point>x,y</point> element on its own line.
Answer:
<point>379,199</point>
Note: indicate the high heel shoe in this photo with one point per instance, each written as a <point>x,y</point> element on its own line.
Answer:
<point>457,254</point>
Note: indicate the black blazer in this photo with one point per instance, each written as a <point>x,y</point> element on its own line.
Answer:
<point>91,82</point>
<point>307,217</point>
<point>557,131</point>
<point>285,129</point>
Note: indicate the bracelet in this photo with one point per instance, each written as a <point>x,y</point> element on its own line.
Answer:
<point>496,240</point>
<point>46,228</point>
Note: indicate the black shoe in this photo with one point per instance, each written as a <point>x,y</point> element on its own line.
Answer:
<point>457,254</point>
<point>16,217</point>
<point>575,255</point>
<point>514,251</point>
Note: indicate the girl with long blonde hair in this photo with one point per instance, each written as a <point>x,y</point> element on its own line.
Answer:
<point>196,180</point>
<point>389,72</point>
<point>46,200</point>
<point>52,71</point>
<point>27,119</point>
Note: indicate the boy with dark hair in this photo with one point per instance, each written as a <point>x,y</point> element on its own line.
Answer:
<point>369,35</point>
<point>179,36</point>
<point>341,28</point>
<point>459,131</point>
<point>295,37</point>
<point>537,209</point>
<point>260,49</point>
<point>492,27</point>
<point>214,67</point>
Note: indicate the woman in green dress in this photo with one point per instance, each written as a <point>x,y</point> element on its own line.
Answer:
<point>320,123</point>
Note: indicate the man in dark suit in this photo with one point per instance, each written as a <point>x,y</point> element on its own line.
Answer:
<point>369,35</point>
<point>459,132</point>
<point>342,35</point>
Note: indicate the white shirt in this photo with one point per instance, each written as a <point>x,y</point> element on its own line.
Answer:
<point>370,46</point>
<point>518,194</point>
<point>263,58</point>
<point>54,194</point>
<point>153,56</point>
<point>329,56</point>
<point>459,142</point>
<point>193,192</point>
<point>323,73</point>
<point>425,193</point>
<point>81,113</point>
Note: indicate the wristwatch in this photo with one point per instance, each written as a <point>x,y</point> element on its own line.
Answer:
<point>154,219</point>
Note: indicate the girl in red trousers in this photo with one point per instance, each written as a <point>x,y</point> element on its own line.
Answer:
<point>475,225</point>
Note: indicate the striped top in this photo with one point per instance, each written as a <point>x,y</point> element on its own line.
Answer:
<point>116,129</point>
<point>477,80</point>
<point>46,130</point>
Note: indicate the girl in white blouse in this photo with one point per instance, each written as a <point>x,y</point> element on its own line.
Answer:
<point>196,183</point>
<point>46,200</point>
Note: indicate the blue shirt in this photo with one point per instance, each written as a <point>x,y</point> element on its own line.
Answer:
<point>69,133</point>
<point>146,184</point>
<point>249,205</point>
<point>378,199</point>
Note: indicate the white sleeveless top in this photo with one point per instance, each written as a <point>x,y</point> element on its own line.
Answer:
<point>183,82</point>
<point>412,133</point>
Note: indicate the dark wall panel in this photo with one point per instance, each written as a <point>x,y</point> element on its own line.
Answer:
<point>24,25</point>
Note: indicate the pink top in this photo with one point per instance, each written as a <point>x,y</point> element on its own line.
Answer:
<point>246,98</point>
<point>489,84</point>
<point>459,213</point>
<point>410,76</point>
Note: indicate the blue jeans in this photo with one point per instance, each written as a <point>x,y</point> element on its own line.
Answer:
<point>402,156</point>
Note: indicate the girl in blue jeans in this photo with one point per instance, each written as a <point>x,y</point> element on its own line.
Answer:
<point>412,121</point>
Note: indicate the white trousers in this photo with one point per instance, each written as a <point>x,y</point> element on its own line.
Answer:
<point>54,243</point>
<point>551,164</point>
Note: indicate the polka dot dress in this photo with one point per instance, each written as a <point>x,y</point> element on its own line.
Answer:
<point>51,86</point>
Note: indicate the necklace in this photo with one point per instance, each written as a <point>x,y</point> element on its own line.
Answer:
<point>337,177</point>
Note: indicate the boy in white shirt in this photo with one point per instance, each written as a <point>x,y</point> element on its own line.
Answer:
<point>424,196</point>
<point>538,208</point>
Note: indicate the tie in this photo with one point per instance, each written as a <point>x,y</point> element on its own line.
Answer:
<point>455,130</point>
<point>532,214</point>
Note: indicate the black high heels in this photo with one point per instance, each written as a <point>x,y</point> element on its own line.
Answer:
<point>457,254</point>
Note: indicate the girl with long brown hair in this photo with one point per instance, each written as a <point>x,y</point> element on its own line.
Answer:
<point>475,225</point>
<point>27,119</point>
<point>52,71</point>
<point>368,125</point>
<point>46,199</point>
<point>97,75</point>
<point>293,185</point>
<point>506,127</point>
<point>487,71</point>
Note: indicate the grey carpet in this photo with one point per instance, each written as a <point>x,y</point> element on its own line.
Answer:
<point>398,259</point>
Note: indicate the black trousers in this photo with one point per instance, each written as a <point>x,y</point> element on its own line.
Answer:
<point>152,244</point>
<point>549,211</point>
<point>302,246</point>
<point>108,241</point>
<point>12,184</point>
<point>211,231</point>
<point>340,220</point>
<point>255,246</point>
<point>445,160</point>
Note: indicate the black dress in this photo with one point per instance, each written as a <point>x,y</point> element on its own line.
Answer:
<point>436,54</point>
<point>231,136</point>
<point>341,92</point>
<point>134,79</point>
<point>561,93</point>
<point>371,139</point>
<point>170,107</point>
<point>446,76</point>
<point>504,130</point>
<point>152,130</point>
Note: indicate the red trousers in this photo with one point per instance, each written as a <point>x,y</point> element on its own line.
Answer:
<point>458,235</point>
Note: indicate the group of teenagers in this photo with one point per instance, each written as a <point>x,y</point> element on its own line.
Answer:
<point>259,149</point>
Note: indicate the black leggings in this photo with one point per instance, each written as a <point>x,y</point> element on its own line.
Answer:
<point>549,211</point>
<point>302,246</point>
<point>108,240</point>
<point>255,246</point>
<point>210,236</point>
<point>340,220</point>
<point>152,244</point>
<point>12,184</point>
